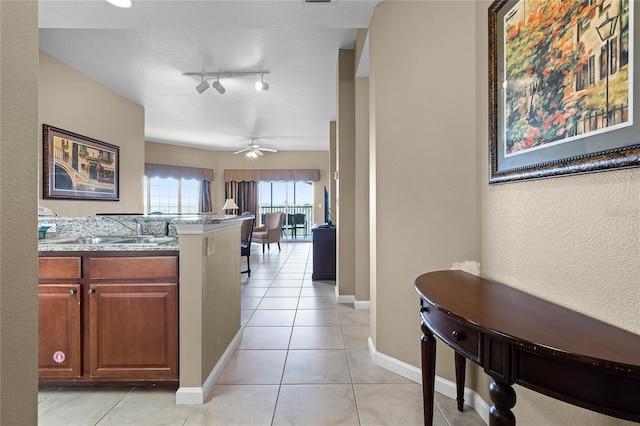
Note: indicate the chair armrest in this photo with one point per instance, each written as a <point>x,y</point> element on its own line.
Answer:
<point>273,233</point>
<point>259,229</point>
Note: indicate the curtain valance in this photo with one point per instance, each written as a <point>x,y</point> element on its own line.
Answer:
<point>177,172</point>
<point>267,175</point>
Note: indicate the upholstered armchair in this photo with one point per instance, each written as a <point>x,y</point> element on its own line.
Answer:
<point>270,231</point>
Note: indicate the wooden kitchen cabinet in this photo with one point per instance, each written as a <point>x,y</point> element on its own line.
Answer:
<point>134,328</point>
<point>115,321</point>
<point>59,330</point>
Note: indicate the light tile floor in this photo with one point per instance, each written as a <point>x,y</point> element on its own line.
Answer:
<point>303,360</point>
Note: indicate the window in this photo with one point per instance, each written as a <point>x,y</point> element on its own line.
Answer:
<point>171,196</point>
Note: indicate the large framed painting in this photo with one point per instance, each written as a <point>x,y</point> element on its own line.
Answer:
<point>79,168</point>
<point>562,85</point>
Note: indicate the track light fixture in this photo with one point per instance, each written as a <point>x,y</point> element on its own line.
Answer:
<point>218,86</point>
<point>261,85</point>
<point>204,84</point>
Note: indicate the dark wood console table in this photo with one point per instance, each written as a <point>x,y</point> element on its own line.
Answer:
<point>521,339</point>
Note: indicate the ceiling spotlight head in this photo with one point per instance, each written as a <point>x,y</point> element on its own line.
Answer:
<point>122,3</point>
<point>218,86</point>
<point>261,85</point>
<point>204,85</point>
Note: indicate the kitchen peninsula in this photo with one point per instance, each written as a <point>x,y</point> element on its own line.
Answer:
<point>194,276</point>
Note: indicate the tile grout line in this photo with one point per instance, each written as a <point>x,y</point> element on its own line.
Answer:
<point>115,405</point>
<point>284,367</point>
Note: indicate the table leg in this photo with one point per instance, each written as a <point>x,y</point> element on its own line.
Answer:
<point>504,399</point>
<point>428,349</point>
<point>461,364</point>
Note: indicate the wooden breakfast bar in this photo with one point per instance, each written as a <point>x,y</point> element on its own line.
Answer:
<point>521,339</point>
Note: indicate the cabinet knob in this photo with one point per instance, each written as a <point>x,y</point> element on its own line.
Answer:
<point>73,291</point>
<point>457,335</point>
<point>91,291</point>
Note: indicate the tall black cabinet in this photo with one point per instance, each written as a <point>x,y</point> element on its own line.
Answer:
<point>324,253</point>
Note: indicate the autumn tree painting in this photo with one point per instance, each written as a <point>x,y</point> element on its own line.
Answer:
<point>566,70</point>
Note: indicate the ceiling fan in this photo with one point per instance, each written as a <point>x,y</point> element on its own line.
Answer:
<point>254,150</point>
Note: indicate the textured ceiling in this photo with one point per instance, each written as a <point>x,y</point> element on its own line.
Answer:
<point>142,52</point>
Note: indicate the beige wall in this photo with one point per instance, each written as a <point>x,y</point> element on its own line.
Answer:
<point>572,240</point>
<point>345,161</point>
<point>72,101</point>
<point>209,301</point>
<point>18,184</point>
<point>219,161</point>
<point>425,196</point>
<point>362,190</point>
<point>333,167</point>
<point>362,284</point>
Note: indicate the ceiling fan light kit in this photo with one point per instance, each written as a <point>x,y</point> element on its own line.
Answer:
<point>204,84</point>
<point>254,150</point>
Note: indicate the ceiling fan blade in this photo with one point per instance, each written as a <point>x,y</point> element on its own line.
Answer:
<point>269,149</point>
<point>242,150</point>
<point>257,151</point>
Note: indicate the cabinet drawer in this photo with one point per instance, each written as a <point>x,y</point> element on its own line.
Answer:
<point>459,336</point>
<point>59,267</point>
<point>134,267</point>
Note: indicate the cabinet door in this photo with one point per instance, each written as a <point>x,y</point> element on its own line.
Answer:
<point>134,330</point>
<point>59,330</point>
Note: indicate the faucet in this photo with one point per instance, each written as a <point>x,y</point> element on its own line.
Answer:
<point>166,229</point>
<point>137,229</point>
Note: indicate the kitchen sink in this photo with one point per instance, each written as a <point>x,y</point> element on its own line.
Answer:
<point>114,239</point>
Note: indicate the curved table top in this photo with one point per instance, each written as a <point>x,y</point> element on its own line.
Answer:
<point>531,321</point>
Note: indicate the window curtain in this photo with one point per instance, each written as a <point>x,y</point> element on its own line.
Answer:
<point>204,199</point>
<point>267,175</point>
<point>177,172</point>
<point>245,194</point>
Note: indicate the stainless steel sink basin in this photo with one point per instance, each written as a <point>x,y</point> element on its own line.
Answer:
<point>148,240</point>
<point>114,239</point>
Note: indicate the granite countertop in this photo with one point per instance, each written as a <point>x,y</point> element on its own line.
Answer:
<point>43,245</point>
<point>71,229</point>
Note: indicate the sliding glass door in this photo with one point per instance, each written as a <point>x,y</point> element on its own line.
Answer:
<point>295,199</point>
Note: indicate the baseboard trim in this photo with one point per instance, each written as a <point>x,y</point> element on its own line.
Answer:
<point>402,368</point>
<point>344,298</point>
<point>361,304</point>
<point>442,386</point>
<point>197,395</point>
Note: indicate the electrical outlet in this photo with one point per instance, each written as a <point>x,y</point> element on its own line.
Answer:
<point>52,227</point>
